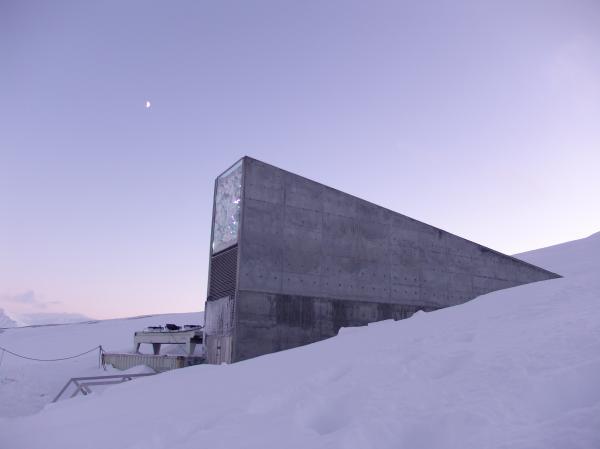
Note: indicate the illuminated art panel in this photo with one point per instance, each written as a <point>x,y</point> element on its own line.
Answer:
<point>227,208</point>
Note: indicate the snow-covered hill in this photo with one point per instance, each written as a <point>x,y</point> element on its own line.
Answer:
<point>27,309</point>
<point>6,320</point>
<point>516,369</point>
<point>576,258</point>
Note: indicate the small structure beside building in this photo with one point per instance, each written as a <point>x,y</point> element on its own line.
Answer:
<point>170,334</point>
<point>189,336</point>
<point>159,363</point>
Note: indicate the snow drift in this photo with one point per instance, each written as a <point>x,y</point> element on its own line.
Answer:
<point>517,368</point>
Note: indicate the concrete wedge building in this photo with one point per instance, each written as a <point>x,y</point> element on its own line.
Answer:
<point>292,261</point>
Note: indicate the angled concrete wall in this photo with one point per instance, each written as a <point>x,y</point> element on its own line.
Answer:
<point>313,259</point>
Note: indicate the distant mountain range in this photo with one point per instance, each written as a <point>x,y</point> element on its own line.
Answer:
<point>9,319</point>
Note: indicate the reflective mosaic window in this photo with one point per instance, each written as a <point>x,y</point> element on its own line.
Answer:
<point>227,208</point>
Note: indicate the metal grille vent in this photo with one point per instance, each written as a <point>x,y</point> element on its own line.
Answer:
<point>223,269</point>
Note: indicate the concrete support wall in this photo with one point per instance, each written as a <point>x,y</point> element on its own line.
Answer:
<point>312,259</point>
<point>272,322</point>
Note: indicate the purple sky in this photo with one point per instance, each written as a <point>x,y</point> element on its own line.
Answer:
<point>482,118</point>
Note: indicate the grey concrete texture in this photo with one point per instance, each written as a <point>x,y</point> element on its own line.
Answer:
<point>299,237</point>
<point>269,323</point>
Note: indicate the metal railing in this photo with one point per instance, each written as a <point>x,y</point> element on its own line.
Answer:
<point>83,384</point>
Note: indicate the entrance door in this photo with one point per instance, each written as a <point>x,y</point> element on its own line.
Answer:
<point>218,330</point>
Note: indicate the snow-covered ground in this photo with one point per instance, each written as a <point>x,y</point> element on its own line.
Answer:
<point>27,386</point>
<point>518,368</point>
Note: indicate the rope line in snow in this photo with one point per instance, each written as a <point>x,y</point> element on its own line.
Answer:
<point>50,360</point>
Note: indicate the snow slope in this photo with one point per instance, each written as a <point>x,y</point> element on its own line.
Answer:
<point>576,258</point>
<point>517,368</point>
<point>6,320</point>
<point>27,386</point>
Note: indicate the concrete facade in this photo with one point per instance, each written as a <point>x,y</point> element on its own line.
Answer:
<point>312,259</point>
